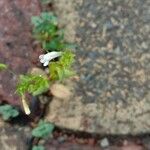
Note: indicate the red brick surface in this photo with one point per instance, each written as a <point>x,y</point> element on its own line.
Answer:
<point>16,48</point>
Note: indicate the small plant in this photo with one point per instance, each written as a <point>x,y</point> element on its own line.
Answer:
<point>62,69</point>
<point>43,129</point>
<point>38,147</point>
<point>58,58</point>
<point>8,112</point>
<point>32,84</point>
<point>47,32</point>
<point>3,66</point>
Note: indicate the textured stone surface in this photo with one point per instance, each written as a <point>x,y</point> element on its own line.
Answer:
<point>113,93</point>
<point>16,48</point>
<point>14,139</point>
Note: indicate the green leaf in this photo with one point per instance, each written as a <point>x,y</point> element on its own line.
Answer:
<point>38,147</point>
<point>45,18</point>
<point>64,73</point>
<point>49,16</point>
<point>60,73</point>
<point>43,129</point>
<point>8,112</point>
<point>54,45</point>
<point>36,21</point>
<point>33,84</point>
<point>68,73</point>
<point>67,59</point>
<point>62,69</point>
<point>3,66</point>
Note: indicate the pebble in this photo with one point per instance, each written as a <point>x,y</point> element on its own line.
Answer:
<point>60,91</point>
<point>104,143</point>
<point>37,71</point>
<point>62,139</point>
<point>93,25</point>
<point>144,45</point>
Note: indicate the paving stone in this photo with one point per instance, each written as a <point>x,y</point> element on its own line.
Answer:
<point>112,95</point>
<point>104,143</point>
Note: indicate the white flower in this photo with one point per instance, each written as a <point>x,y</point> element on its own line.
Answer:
<point>46,58</point>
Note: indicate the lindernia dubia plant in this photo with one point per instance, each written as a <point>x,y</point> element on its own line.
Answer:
<point>57,57</point>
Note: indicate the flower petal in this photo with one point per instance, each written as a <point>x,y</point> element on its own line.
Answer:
<point>46,63</point>
<point>41,56</point>
<point>52,55</point>
<point>42,60</point>
<point>45,58</point>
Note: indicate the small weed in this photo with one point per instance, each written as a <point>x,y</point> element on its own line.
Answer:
<point>8,112</point>
<point>3,66</point>
<point>33,84</point>
<point>43,129</point>
<point>62,69</point>
<point>47,32</point>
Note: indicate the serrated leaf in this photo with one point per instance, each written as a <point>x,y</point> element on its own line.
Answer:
<point>49,16</point>
<point>68,73</point>
<point>62,68</point>
<point>34,84</point>
<point>43,130</point>
<point>3,66</point>
<point>8,112</point>
<point>60,73</point>
<point>36,21</point>
<point>67,59</point>
<point>54,45</point>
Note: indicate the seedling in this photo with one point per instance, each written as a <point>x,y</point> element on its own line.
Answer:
<point>47,32</point>
<point>32,84</point>
<point>8,112</point>
<point>62,69</point>
<point>58,58</point>
<point>3,66</point>
<point>43,129</point>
